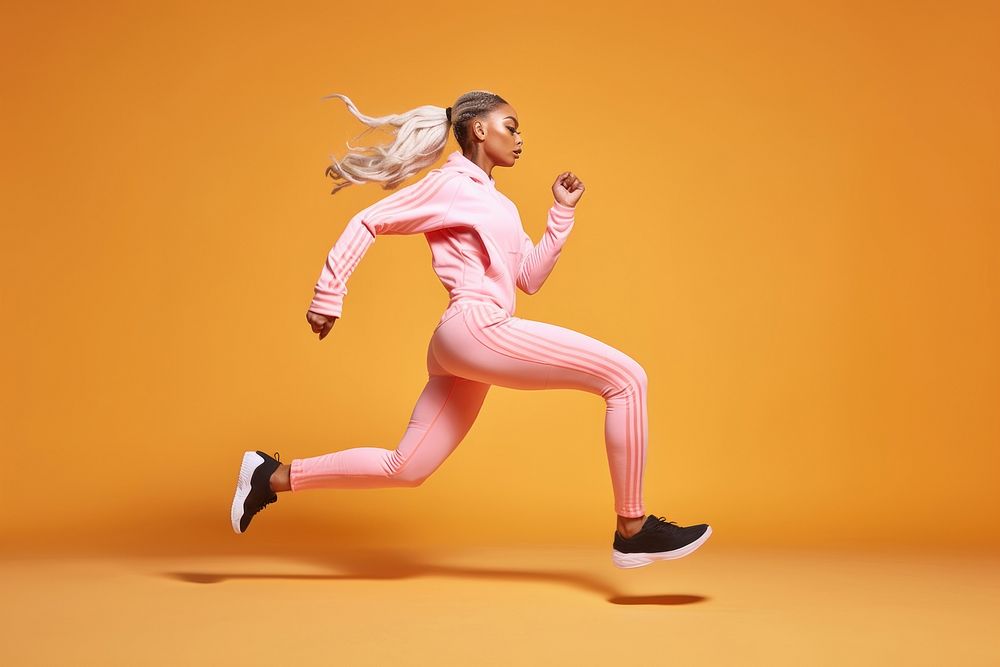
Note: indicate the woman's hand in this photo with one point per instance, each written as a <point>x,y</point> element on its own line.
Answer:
<point>321,324</point>
<point>567,189</point>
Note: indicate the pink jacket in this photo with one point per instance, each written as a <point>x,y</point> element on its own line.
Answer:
<point>479,248</point>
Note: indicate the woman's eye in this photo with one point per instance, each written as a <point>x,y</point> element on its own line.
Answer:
<point>513,130</point>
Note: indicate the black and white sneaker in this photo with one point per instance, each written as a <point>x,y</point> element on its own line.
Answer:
<point>253,489</point>
<point>658,539</point>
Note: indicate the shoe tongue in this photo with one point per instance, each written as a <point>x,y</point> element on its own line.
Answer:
<point>650,520</point>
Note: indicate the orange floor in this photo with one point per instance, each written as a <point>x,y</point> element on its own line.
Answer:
<point>497,606</point>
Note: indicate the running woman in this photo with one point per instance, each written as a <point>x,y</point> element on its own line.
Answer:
<point>481,253</point>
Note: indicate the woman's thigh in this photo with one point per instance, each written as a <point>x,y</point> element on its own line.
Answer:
<point>485,344</point>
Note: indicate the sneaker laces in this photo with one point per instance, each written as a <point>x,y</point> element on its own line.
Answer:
<point>661,522</point>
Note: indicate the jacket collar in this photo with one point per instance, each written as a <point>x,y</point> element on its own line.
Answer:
<point>458,162</point>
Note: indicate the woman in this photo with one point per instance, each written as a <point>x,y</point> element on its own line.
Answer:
<point>481,253</point>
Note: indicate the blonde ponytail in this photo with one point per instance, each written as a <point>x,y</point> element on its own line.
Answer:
<point>421,135</point>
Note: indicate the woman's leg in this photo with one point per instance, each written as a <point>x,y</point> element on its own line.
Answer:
<point>443,415</point>
<point>485,344</point>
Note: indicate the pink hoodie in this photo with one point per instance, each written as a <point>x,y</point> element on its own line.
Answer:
<point>479,248</point>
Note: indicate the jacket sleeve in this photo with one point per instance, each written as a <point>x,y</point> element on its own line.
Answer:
<point>417,208</point>
<point>538,260</point>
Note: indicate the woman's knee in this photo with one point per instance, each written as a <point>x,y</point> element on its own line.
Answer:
<point>409,476</point>
<point>639,372</point>
<point>416,468</point>
<point>632,379</point>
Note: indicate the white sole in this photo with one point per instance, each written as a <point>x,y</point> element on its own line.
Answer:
<point>640,559</point>
<point>250,462</point>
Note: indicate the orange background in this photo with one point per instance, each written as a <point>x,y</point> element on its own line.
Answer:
<point>791,221</point>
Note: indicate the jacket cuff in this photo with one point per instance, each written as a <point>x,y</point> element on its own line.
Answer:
<point>327,304</point>
<point>561,216</point>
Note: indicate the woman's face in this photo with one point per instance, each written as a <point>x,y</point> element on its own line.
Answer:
<point>502,141</point>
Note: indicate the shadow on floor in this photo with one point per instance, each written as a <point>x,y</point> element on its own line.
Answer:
<point>383,564</point>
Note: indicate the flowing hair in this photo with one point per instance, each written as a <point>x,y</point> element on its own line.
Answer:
<point>420,136</point>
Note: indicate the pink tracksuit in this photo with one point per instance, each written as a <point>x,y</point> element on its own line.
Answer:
<point>480,252</point>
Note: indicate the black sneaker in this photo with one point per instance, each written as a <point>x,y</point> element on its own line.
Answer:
<point>253,489</point>
<point>658,539</point>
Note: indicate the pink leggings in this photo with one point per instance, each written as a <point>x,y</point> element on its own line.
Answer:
<point>481,345</point>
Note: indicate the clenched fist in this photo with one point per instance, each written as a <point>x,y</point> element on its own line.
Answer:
<point>567,189</point>
<point>321,324</point>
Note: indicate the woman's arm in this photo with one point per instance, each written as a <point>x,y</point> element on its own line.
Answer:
<point>417,208</point>
<point>539,260</point>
